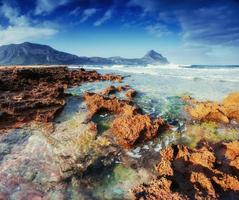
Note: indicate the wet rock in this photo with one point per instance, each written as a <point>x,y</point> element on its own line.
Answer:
<point>206,172</point>
<point>37,93</point>
<point>130,126</point>
<point>223,112</point>
<point>131,93</point>
<point>97,103</point>
<point>113,89</point>
<point>132,129</point>
<point>78,148</point>
<point>157,190</point>
<point>28,169</point>
<point>231,105</point>
<point>165,167</point>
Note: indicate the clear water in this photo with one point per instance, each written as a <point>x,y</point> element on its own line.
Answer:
<point>159,91</point>
<point>161,87</point>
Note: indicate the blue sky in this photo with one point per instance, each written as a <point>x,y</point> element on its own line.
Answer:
<point>185,31</point>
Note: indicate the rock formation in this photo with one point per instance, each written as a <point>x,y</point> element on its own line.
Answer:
<point>207,172</point>
<point>130,125</point>
<point>37,94</point>
<point>223,112</point>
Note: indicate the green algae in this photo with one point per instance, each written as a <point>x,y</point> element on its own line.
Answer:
<point>208,131</point>
<point>116,184</point>
<point>103,121</point>
<point>173,107</point>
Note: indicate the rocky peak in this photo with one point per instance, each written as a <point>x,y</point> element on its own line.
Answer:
<point>155,56</point>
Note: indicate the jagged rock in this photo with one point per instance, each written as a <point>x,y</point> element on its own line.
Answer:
<point>133,129</point>
<point>206,172</point>
<point>156,190</point>
<point>213,111</point>
<point>130,125</point>
<point>37,93</point>
<point>97,103</point>
<point>113,89</point>
<point>231,105</point>
<point>131,93</point>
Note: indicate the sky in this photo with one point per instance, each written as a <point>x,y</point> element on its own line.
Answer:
<point>184,31</point>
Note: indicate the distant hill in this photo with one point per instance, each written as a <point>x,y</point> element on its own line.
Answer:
<point>36,54</point>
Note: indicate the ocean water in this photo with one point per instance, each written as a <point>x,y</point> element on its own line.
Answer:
<point>160,87</point>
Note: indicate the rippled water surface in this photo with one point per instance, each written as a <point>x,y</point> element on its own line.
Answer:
<point>161,87</point>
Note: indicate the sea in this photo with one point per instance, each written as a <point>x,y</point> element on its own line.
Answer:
<point>159,87</point>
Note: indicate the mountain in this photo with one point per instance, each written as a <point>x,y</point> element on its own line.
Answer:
<point>154,57</point>
<point>33,54</point>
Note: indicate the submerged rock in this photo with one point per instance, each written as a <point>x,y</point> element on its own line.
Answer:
<point>223,112</point>
<point>77,147</point>
<point>206,172</point>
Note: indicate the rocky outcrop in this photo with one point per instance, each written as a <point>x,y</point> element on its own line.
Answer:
<point>130,126</point>
<point>113,89</point>
<point>231,104</point>
<point>37,93</point>
<point>98,103</point>
<point>206,172</point>
<point>223,112</point>
<point>131,93</point>
<point>132,129</point>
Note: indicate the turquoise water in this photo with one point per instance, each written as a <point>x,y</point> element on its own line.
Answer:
<point>161,87</point>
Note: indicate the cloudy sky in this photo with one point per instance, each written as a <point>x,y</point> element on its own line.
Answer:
<point>185,31</point>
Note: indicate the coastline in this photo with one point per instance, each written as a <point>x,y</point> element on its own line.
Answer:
<point>73,143</point>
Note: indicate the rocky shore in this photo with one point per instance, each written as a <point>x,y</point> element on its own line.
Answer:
<point>37,93</point>
<point>102,145</point>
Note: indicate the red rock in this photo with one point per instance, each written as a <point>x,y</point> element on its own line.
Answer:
<point>112,90</point>
<point>131,93</point>
<point>213,111</point>
<point>157,190</point>
<point>130,125</point>
<point>132,129</point>
<point>205,172</point>
<point>97,103</point>
<point>231,105</point>
<point>37,93</point>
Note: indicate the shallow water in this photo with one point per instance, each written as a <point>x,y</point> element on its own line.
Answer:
<point>161,82</point>
<point>160,87</point>
<point>159,91</point>
<point>159,94</point>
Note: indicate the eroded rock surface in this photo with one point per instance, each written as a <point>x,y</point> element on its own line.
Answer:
<point>131,93</point>
<point>37,93</point>
<point>206,172</point>
<point>130,125</point>
<point>223,112</point>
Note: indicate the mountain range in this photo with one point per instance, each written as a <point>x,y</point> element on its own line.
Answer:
<point>36,54</point>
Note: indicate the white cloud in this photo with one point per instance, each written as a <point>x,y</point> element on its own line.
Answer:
<point>21,34</point>
<point>158,30</point>
<point>47,6</point>
<point>106,17</point>
<point>147,6</point>
<point>75,12</point>
<point>88,13</point>
<point>20,28</point>
<point>12,15</point>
